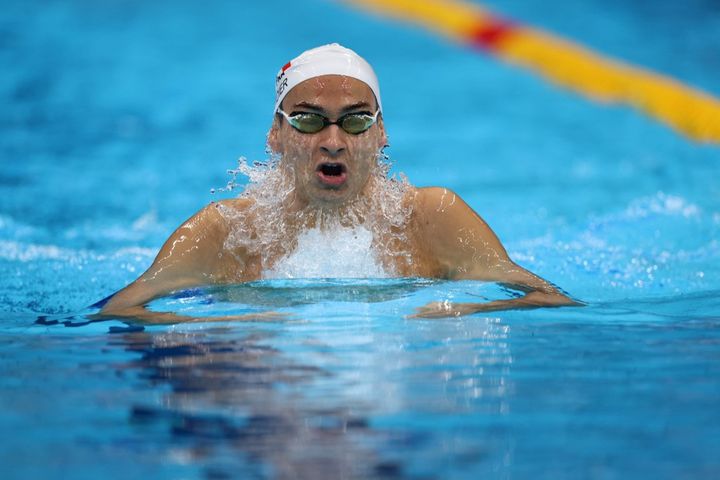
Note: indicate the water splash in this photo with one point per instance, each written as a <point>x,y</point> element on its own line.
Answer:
<point>338,252</point>
<point>662,204</point>
<point>654,245</point>
<point>368,239</point>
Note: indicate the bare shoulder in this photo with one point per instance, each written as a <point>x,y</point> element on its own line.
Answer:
<point>230,208</point>
<point>202,235</point>
<point>439,204</point>
<point>193,255</point>
<point>431,193</point>
<point>239,205</point>
<point>215,218</point>
<point>451,228</point>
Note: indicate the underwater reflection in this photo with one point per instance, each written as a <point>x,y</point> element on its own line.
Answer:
<point>234,396</point>
<point>341,401</point>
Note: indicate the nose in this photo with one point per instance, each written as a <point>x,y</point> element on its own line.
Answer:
<point>332,142</point>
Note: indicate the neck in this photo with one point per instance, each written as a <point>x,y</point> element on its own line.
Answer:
<point>302,214</point>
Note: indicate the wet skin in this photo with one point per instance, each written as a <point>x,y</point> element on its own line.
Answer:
<point>330,170</point>
<point>306,156</point>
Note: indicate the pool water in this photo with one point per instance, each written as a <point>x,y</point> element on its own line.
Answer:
<point>119,118</point>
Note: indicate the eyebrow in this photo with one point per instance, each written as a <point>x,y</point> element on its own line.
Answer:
<point>318,108</point>
<point>356,106</point>
<point>309,106</point>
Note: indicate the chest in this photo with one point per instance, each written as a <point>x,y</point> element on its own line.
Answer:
<point>340,252</point>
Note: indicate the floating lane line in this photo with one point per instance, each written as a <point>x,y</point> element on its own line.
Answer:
<point>692,112</point>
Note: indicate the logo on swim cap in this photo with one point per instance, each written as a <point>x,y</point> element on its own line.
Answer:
<point>281,81</point>
<point>332,59</point>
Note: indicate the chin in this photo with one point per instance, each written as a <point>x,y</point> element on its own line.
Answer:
<point>331,199</point>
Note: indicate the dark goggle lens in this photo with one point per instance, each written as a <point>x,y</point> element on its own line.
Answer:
<point>353,123</point>
<point>307,122</point>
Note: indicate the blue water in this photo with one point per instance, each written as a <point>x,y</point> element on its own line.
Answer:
<point>119,118</point>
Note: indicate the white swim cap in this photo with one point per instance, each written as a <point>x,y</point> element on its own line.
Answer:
<point>332,59</point>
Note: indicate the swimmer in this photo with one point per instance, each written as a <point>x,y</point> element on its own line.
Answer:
<point>328,134</point>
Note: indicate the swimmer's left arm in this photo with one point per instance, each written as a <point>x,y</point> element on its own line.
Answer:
<point>467,249</point>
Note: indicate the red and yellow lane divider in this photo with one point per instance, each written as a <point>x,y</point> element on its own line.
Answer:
<point>690,111</point>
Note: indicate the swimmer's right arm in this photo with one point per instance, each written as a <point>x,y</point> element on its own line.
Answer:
<point>189,258</point>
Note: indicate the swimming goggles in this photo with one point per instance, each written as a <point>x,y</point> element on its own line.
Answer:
<point>309,122</point>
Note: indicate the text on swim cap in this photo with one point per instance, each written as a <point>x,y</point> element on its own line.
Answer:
<point>281,81</point>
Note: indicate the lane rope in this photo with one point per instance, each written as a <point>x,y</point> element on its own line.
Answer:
<point>690,111</point>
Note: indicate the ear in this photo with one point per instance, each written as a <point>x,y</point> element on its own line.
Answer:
<point>273,137</point>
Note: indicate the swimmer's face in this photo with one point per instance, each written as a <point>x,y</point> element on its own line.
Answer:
<point>331,166</point>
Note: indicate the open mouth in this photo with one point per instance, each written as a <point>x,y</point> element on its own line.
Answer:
<point>333,174</point>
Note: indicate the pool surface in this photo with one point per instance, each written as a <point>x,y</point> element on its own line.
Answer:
<point>120,118</point>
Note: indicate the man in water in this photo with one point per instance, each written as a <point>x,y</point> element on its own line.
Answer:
<point>327,135</point>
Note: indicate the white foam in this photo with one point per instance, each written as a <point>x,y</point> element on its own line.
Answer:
<point>661,204</point>
<point>338,252</point>
<point>27,252</point>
